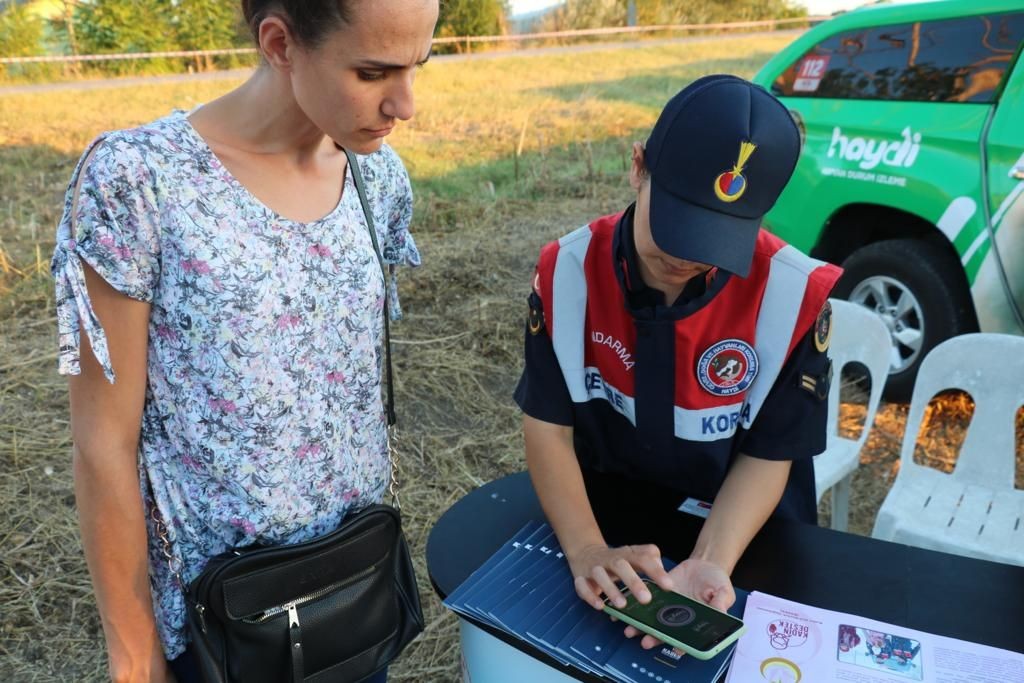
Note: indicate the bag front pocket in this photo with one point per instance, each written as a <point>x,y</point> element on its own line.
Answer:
<point>331,625</point>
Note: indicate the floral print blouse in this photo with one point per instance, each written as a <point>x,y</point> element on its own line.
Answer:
<point>263,421</point>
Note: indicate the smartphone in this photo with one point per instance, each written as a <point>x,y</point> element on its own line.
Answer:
<point>679,621</point>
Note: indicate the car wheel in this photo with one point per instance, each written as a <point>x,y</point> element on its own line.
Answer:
<point>918,290</point>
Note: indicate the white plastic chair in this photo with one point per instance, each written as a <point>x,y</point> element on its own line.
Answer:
<point>974,511</point>
<point>858,336</point>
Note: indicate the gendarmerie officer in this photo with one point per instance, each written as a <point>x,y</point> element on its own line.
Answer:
<point>677,342</point>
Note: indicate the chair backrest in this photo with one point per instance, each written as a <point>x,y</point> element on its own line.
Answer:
<point>989,367</point>
<point>858,336</point>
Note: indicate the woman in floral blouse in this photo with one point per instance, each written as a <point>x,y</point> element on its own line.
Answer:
<point>220,313</point>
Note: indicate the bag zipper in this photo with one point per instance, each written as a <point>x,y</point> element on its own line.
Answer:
<point>201,611</point>
<point>292,605</point>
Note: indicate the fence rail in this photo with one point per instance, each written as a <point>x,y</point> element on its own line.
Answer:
<point>770,24</point>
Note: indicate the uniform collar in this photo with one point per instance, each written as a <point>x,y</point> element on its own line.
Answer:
<point>639,295</point>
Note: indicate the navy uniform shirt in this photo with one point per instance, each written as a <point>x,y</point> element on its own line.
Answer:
<point>790,425</point>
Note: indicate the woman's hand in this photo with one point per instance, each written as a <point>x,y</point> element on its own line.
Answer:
<point>701,580</point>
<point>596,568</point>
<point>705,581</point>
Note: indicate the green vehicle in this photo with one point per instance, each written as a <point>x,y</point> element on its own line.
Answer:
<point>912,171</point>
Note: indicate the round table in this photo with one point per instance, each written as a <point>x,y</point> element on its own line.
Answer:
<point>949,595</point>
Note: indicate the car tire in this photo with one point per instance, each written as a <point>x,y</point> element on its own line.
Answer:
<point>918,289</point>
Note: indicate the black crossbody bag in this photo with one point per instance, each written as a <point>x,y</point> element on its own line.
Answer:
<point>336,609</point>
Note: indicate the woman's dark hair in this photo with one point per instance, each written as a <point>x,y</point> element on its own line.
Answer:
<point>309,20</point>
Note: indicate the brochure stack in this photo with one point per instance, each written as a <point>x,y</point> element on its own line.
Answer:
<point>526,590</point>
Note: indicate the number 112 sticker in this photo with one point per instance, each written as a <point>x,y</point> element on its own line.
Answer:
<point>810,72</point>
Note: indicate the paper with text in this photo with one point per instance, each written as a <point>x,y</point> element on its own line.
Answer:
<point>788,642</point>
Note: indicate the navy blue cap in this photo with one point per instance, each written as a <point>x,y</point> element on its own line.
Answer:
<point>719,156</point>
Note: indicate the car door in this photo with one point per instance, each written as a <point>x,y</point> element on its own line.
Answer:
<point>887,124</point>
<point>895,115</point>
<point>999,287</point>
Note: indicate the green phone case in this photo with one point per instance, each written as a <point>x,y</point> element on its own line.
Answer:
<point>667,638</point>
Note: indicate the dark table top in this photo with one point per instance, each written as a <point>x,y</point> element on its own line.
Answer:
<point>935,592</point>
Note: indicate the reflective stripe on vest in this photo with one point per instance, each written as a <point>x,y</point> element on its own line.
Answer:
<point>787,282</point>
<point>569,310</point>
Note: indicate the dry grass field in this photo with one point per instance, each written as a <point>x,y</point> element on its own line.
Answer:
<point>505,155</point>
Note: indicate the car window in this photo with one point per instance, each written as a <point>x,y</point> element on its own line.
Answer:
<point>953,60</point>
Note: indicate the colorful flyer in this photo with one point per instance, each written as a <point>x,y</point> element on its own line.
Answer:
<point>787,642</point>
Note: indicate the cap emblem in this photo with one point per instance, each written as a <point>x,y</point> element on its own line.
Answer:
<point>731,185</point>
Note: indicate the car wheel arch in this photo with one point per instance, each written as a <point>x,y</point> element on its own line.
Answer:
<point>857,225</point>
<point>859,229</point>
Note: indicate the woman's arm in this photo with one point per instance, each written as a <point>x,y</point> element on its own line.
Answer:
<point>558,481</point>
<point>751,491</point>
<point>105,424</point>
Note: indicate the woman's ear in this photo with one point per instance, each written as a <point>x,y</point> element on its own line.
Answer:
<point>276,42</point>
<point>638,169</point>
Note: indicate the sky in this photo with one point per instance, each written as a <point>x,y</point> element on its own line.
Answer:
<point>814,7</point>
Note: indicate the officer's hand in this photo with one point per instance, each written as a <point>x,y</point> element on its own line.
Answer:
<point>596,568</point>
<point>701,580</point>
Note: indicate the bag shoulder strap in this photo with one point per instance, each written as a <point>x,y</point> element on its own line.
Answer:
<point>357,177</point>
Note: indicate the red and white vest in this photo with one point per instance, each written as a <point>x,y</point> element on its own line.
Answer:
<point>728,353</point>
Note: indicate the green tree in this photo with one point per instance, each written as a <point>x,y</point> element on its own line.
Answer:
<point>471,18</point>
<point>206,25</point>
<point>112,26</point>
<point>581,14</point>
<point>21,32</point>
<point>578,14</point>
<point>67,25</point>
<point>707,11</point>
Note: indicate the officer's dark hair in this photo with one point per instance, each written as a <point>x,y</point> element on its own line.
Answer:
<point>310,21</point>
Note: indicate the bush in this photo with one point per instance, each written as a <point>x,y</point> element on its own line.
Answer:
<point>713,11</point>
<point>112,26</point>
<point>21,35</point>
<point>21,32</point>
<point>471,18</point>
<point>581,14</point>
<point>207,24</point>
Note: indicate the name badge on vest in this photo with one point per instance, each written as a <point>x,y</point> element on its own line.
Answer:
<point>727,368</point>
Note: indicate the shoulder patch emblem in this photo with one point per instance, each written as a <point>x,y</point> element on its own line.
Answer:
<point>727,368</point>
<point>823,328</point>
<point>535,321</point>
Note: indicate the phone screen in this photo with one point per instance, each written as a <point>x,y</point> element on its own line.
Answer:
<point>681,618</point>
